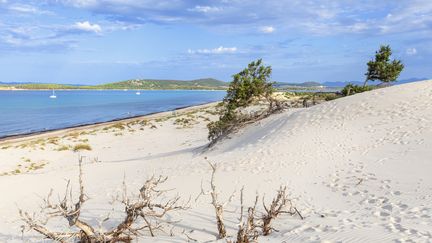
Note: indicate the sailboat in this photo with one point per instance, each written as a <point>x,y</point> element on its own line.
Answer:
<point>138,92</point>
<point>53,96</point>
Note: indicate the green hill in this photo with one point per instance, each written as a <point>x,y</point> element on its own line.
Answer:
<point>44,86</point>
<point>208,83</point>
<point>144,84</point>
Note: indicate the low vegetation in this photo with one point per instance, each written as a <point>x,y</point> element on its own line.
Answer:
<point>255,224</point>
<point>351,89</point>
<point>248,86</point>
<point>25,166</point>
<point>80,147</point>
<point>64,148</point>
<point>184,122</point>
<point>143,84</point>
<point>381,68</point>
<point>148,212</point>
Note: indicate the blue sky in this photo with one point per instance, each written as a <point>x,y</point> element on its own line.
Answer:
<point>97,41</point>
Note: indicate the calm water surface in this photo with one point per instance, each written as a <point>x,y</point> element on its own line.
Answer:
<point>24,112</point>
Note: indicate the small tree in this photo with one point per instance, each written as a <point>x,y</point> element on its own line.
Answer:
<point>382,68</point>
<point>248,85</point>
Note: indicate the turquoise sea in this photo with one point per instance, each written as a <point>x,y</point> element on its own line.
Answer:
<point>23,112</point>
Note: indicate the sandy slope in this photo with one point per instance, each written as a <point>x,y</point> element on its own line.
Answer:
<point>358,168</point>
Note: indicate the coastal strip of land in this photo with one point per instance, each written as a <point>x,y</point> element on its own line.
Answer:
<point>61,131</point>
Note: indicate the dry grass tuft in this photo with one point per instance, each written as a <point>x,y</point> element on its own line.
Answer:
<point>81,146</point>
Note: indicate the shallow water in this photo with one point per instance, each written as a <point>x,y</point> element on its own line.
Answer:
<point>24,112</point>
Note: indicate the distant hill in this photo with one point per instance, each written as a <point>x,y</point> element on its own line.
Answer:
<point>282,85</point>
<point>144,84</point>
<point>207,83</point>
<point>14,83</point>
<point>342,84</point>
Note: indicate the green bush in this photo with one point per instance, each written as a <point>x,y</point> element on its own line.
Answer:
<point>250,84</point>
<point>381,68</point>
<point>351,89</point>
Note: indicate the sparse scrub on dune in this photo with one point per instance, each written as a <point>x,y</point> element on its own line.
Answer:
<point>204,118</point>
<point>25,167</point>
<point>81,146</point>
<point>119,126</point>
<point>253,224</point>
<point>248,86</point>
<point>381,68</point>
<point>63,148</point>
<point>306,99</point>
<point>351,89</point>
<point>53,140</point>
<point>218,206</point>
<point>72,135</point>
<point>185,122</point>
<point>143,122</point>
<point>35,144</point>
<point>146,212</point>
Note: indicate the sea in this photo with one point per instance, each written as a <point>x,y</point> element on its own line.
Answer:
<point>24,112</point>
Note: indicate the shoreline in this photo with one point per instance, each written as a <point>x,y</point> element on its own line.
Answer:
<point>61,131</point>
<point>18,89</point>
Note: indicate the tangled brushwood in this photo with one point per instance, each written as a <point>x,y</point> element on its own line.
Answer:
<point>143,214</point>
<point>253,224</point>
<point>148,213</point>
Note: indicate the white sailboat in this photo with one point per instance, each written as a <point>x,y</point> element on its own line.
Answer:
<point>53,96</point>
<point>138,92</point>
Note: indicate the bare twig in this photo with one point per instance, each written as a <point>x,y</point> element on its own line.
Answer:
<point>218,206</point>
<point>141,214</point>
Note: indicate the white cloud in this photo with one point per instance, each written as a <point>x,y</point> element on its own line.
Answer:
<point>321,17</point>
<point>411,51</point>
<point>359,27</point>
<point>81,3</point>
<point>205,9</point>
<point>87,27</point>
<point>267,29</point>
<point>26,9</point>
<point>218,50</point>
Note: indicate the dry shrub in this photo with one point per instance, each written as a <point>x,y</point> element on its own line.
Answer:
<point>141,214</point>
<point>81,146</point>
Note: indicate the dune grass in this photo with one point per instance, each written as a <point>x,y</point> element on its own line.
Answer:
<point>81,146</point>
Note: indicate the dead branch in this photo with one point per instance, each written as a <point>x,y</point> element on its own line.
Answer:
<point>218,206</point>
<point>280,204</point>
<point>143,213</point>
<point>247,230</point>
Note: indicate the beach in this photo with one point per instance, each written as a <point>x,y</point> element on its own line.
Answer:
<point>357,169</point>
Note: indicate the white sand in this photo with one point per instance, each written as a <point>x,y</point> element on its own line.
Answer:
<point>358,168</point>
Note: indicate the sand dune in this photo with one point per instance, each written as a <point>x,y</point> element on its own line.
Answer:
<point>358,169</point>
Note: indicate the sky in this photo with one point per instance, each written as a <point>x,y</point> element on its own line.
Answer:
<point>99,41</point>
